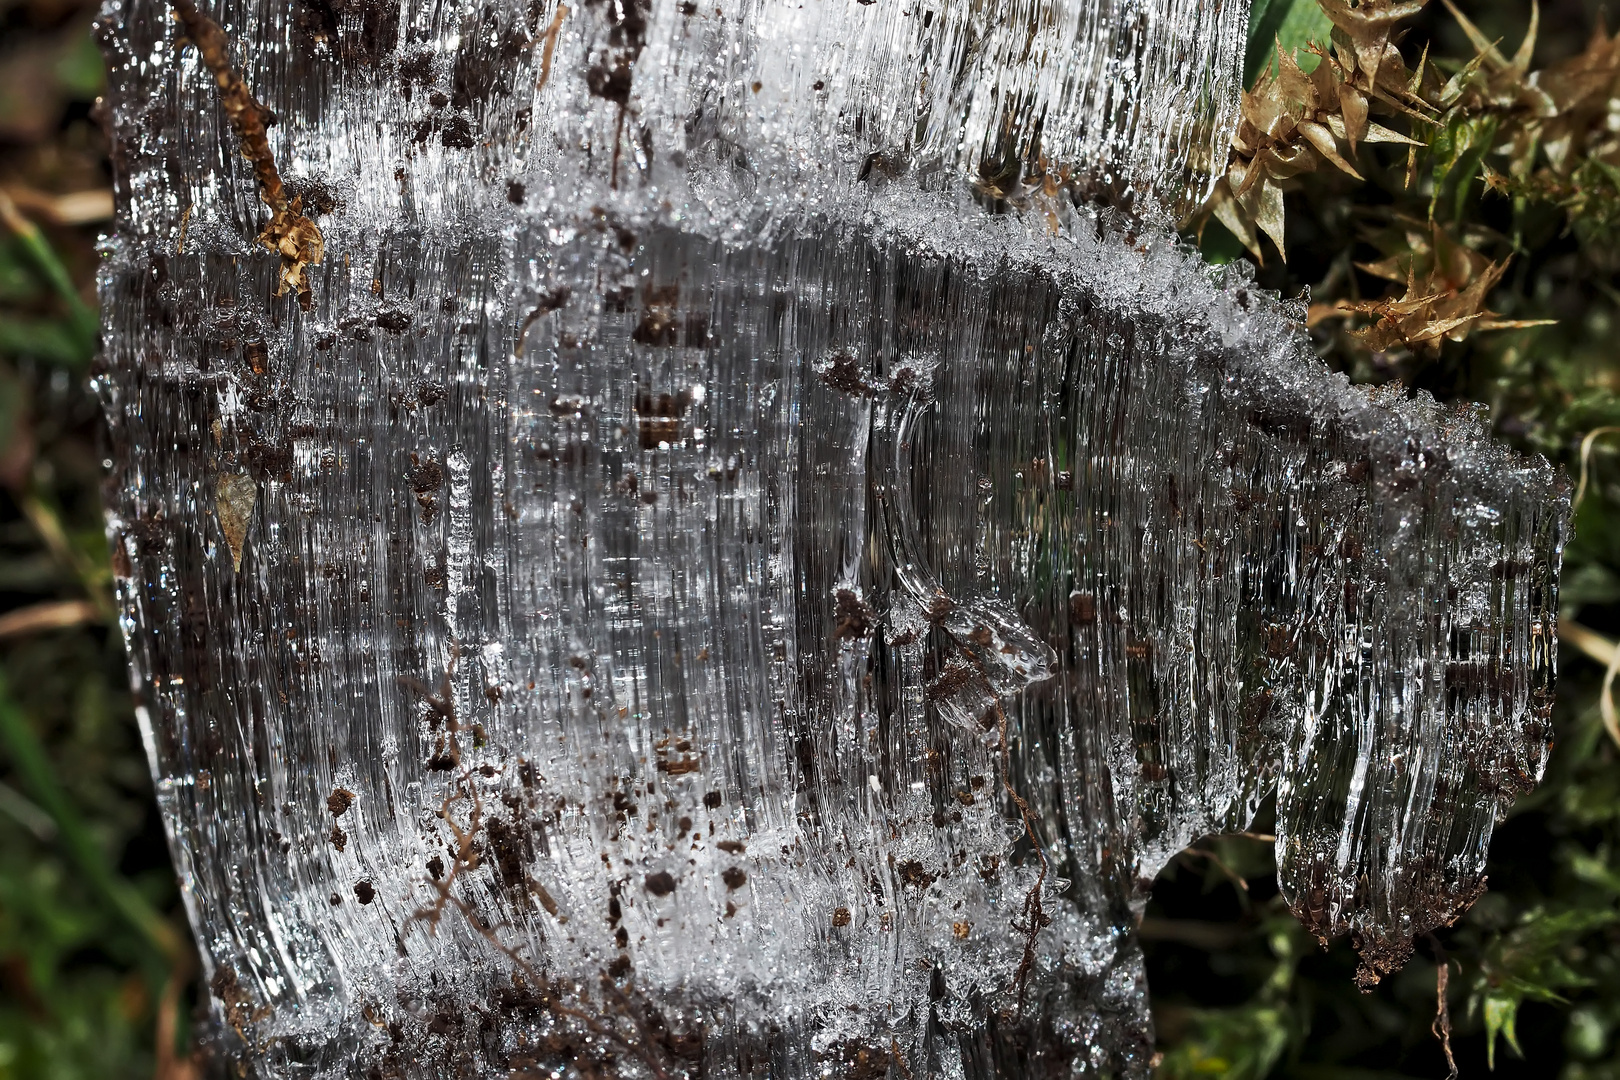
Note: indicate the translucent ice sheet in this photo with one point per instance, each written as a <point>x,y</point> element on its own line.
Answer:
<point>698,593</point>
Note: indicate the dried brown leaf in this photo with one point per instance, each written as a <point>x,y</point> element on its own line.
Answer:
<point>1228,213</point>
<point>1527,47</point>
<point>1353,110</point>
<point>1320,137</point>
<point>234,497</point>
<point>1264,205</point>
<point>1482,44</point>
<point>1446,285</point>
<point>1292,122</point>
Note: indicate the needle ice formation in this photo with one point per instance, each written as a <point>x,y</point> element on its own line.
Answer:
<point>739,570</point>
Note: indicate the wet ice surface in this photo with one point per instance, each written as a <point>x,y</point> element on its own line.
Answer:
<point>716,598</point>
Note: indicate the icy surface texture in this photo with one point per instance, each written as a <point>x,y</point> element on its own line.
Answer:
<point>699,594</point>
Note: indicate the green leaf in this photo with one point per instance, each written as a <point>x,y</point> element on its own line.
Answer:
<point>1594,408</point>
<point>1594,870</point>
<point>1244,1043</point>
<point>1293,24</point>
<point>18,282</point>
<point>28,758</point>
<point>1501,1013</point>
<point>55,341</point>
<point>80,324</point>
<point>1589,584</point>
<point>1459,146</point>
<point>1588,1032</point>
<point>80,69</point>
<point>1218,245</point>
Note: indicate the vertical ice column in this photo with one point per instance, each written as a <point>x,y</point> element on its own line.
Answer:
<point>696,592</point>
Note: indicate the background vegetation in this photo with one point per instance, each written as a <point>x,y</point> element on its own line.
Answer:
<point>1482,263</point>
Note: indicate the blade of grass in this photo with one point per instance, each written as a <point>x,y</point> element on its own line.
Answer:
<point>29,760</point>
<point>50,615</point>
<point>81,316</point>
<point>90,574</point>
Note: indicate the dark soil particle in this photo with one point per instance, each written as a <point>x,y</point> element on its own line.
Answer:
<point>854,616</point>
<point>395,320</point>
<point>481,71</point>
<point>317,196</point>
<point>507,844</point>
<point>425,476</point>
<point>416,66</point>
<point>845,375</point>
<point>661,883</point>
<point>365,892</point>
<point>338,803</point>
<point>458,134</point>
<point>361,32</point>
<point>867,1062</point>
<point>913,873</point>
<point>611,83</point>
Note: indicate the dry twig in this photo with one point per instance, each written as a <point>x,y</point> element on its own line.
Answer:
<point>1035,917</point>
<point>289,233</point>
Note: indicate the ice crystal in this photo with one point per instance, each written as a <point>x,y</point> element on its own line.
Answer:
<point>732,570</point>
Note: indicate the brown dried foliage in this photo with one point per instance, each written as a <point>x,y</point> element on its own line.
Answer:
<point>1293,122</point>
<point>1552,127</point>
<point>1446,286</point>
<point>1555,126</point>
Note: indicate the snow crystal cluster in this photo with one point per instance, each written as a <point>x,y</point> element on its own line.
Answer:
<point>739,571</point>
